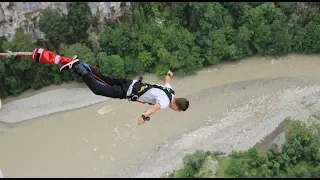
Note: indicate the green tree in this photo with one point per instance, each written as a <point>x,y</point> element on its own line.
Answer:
<point>79,19</point>
<point>117,39</point>
<point>132,66</point>
<point>288,7</point>
<point>150,37</point>
<point>176,52</point>
<point>312,39</point>
<point>270,32</point>
<point>54,26</point>
<point>237,10</point>
<point>260,28</point>
<point>218,47</point>
<point>299,39</point>
<point>208,16</point>
<point>2,40</point>
<point>281,39</point>
<point>243,43</point>
<point>146,59</point>
<point>15,71</point>
<point>211,24</point>
<point>163,65</point>
<point>301,15</point>
<point>111,65</point>
<point>138,15</point>
<point>82,51</point>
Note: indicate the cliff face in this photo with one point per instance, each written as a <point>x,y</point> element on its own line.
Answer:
<point>25,15</point>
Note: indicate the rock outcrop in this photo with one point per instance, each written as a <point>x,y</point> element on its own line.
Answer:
<point>14,15</point>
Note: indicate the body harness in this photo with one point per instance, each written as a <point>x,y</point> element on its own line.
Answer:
<point>139,88</point>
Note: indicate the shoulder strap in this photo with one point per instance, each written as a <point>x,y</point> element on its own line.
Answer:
<point>140,88</point>
<point>168,91</point>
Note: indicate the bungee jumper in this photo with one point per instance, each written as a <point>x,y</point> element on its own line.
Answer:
<point>159,96</point>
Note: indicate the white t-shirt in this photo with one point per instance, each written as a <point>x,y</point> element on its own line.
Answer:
<point>154,95</point>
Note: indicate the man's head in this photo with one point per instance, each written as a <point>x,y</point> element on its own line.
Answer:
<point>179,104</point>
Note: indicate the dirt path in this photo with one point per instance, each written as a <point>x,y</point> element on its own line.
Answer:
<point>232,106</point>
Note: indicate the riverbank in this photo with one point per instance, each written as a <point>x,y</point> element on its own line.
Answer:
<point>32,92</point>
<point>49,102</point>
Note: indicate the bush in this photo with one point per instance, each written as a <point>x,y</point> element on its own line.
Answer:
<point>196,159</point>
<point>111,65</point>
<point>188,172</point>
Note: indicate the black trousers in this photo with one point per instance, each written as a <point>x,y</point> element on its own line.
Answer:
<point>117,87</point>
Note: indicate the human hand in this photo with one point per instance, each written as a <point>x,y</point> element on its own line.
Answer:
<point>170,73</point>
<point>75,57</point>
<point>140,120</point>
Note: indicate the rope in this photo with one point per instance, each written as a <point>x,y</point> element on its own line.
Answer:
<point>98,78</point>
<point>10,54</point>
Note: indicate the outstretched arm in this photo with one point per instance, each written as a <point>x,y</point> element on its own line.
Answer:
<point>149,111</point>
<point>167,78</point>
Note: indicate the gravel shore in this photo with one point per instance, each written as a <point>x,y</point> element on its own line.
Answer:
<point>47,103</point>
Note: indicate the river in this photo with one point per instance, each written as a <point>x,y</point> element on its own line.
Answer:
<point>104,140</point>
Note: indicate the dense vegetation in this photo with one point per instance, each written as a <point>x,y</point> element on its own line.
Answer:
<point>157,36</point>
<point>299,157</point>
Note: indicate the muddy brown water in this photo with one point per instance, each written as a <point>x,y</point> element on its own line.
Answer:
<point>103,139</point>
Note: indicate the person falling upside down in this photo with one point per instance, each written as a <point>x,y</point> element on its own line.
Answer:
<point>159,96</point>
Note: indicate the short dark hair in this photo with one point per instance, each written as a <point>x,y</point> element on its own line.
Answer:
<point>182,103</point>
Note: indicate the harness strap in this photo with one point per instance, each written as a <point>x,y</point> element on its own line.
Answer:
<point>140,88</point>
